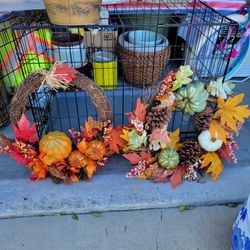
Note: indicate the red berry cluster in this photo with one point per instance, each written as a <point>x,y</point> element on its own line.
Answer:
<point>166,84</point>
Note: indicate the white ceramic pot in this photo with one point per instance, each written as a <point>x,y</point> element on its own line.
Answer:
<point>123,42</point>
<point>69,48</point>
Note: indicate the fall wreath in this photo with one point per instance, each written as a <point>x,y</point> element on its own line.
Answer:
<point>56,154</point>
<point>154,152</point>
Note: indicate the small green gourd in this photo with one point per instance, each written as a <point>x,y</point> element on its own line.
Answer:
<point>192,99</point>
<point>168,158</point>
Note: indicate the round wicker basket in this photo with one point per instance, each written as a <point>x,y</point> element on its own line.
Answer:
<point>143,69</point>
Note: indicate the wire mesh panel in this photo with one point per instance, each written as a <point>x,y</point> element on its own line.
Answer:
<point>128,53</point>
<point>9,76</point>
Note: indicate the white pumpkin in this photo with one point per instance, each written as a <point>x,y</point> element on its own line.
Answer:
<point>207,143</point>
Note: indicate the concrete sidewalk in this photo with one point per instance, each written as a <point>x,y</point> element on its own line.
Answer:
<point>203,228</point>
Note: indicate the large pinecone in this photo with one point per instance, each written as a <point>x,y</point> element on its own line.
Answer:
<point>203,119</point>
<point>190,152</point>
<point>157,118</point>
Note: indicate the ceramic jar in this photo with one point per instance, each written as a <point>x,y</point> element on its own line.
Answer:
<point>241,228</point>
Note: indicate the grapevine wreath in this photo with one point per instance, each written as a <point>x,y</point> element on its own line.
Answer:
<point>154,152</point>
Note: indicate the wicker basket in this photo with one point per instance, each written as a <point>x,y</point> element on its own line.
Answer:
<point>73,12</point>
<point>143,68</point>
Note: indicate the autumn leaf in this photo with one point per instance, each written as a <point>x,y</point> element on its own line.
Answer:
<point>90,128</point>
<point>214,164</point>
<point>38,168</point>
<point>229,113</point>
<point>174,140</point>
<point>135,158</point>
<point>23,132</point>
<point>125,134</point>
<point>74,216</point>
<point>19,158</point>
<point>90,168</point>
<point>216,130</point>
<point>115,140</point>
<point>137,140</point>
<point>174,175</point>
<point>64,72</point>
<point>139,113</point>
<point>82,146</point>
<point>158,139</point>
<point>73,177</point>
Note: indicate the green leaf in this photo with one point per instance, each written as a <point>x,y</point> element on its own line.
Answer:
<point>218,88</point>
<point>74,216</point>
<point>136,140</point>
<point>96,214</point>
<point>182,77</point>
<point>232,205</point>
<point>184,208</point>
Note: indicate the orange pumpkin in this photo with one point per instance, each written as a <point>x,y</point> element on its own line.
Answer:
<point>96,150</point>
<point>54,146</point>
<point>76,159</point>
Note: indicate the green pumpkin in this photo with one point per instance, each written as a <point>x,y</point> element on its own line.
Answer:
<point>192,99</point>
<point>168,158</point>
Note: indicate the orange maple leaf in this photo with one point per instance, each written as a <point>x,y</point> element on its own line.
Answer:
<point>216,130</point>
<point>214,164</point>
<point>115,140</point>
<point>174,140</point>
<point>82,146</point>
<point>139,113</point>
<point>229,113</point>
<point>90,168</point>
<point>91,128</point>
<point>38,168</point>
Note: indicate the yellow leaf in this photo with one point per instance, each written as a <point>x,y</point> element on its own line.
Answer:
<point>174,140</point>
<point>216,129</point>
<point>91,123</point>
<point>142,176</point>
<point>164,97</point>
<point>229,114</point>
<point>214,164</point>
<point>125,135</point>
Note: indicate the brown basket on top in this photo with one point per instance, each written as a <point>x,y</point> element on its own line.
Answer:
<point>143,69</point>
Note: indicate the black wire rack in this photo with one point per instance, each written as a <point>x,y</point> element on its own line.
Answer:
<point>9,65</point>
<point>128,54</point>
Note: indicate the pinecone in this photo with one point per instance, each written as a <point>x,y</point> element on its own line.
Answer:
<point>157,118</point>
<point>190,152</point>
<point>203,119</point>
<point>212,102</point>
<point>56,180</point>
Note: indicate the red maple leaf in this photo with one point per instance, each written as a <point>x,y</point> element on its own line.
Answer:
<point>64,72</point>
<point>23,132</point>
<point>174,175</point>
<point>115,140</point>
<point>139,113</point>
<point>19,158</point>
<point>135,158</point>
